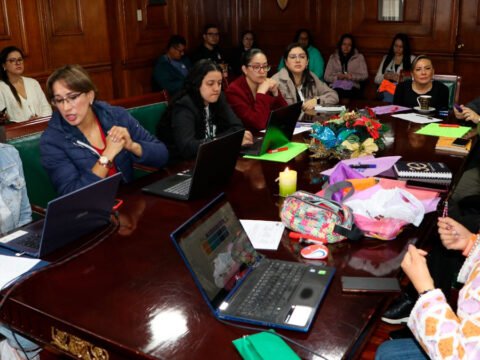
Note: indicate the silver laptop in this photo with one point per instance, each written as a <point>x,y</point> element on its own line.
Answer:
<point>68,218</point>
<point>238,283</point>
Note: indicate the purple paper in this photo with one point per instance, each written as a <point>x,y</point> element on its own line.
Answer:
<point>389,109</point>
<point>341,173</point>
<point>381,164</point>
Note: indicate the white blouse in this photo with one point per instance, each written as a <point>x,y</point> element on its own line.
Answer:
<point>35,104</point>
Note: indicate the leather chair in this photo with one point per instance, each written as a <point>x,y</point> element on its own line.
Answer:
<point>453,83</point>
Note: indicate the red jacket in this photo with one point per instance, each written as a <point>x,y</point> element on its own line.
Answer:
<point>254,112</point>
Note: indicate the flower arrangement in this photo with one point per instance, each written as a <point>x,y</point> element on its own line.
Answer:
<point>349,134</point>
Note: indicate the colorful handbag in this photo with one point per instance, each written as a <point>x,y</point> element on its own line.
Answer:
<point>320,217</point>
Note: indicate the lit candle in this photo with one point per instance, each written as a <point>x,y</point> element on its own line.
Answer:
<point>287,182</point>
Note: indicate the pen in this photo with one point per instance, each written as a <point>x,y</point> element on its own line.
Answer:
<point>445,209</point>
<point>449,125</point>
<point>278,150</point>
<point>305,237</point>
<point>425,116</point>
<point>363,166</point>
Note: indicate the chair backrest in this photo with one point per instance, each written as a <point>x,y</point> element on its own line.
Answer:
<point>453,83</point>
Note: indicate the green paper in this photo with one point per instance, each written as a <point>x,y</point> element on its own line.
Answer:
<point>434,129</point>
<point>294,149</point>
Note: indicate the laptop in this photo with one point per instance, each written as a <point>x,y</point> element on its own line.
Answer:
<point>240,284</point>
<point>213,168</point>
<point>279,130</point>
<point>68,218</point>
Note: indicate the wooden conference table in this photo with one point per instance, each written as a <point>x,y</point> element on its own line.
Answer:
<point>131,297</point>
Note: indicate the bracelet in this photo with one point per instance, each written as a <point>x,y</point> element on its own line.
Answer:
<point>424,292</point>
<point>472,242</point>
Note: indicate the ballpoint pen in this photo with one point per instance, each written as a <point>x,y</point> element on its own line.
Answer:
<point>273,151</point>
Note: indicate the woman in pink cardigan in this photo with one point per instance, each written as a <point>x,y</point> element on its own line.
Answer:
<point>439,332</point>
<point>253,95</point>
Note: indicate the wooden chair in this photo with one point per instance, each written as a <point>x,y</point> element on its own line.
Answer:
<point>453,83</point>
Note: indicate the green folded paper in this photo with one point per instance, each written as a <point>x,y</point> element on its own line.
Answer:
<point>435,129</point>
<point>264,346</point>
<point>294,149</point>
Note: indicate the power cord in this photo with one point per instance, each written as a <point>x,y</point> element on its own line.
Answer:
<point>98,239</point>
<point>286,338</point>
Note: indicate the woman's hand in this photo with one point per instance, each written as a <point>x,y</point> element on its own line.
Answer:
<point>119,133</point>
<point>454,235</point>
<point>309,104</point>
<point>467,114</point>
<point>414,264</point>
<point>247,138</point>
<point>269,85</point>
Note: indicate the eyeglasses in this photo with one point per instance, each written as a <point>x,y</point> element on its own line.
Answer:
<point>297,56</point>
<point>69,99</point>
<point>179,49</point>
<point>15,60</point>
<point>213,34</point>
<point>257,68</point>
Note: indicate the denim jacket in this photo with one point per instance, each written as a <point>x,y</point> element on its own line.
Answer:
<point>15,208</point>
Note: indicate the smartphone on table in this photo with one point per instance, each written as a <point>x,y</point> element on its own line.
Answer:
<point>370,284</point>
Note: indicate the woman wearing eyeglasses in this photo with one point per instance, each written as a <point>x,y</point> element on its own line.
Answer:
<point>21,96</point>
<point>297,83</point>
<point>254,95</point>
<point>87,139</point>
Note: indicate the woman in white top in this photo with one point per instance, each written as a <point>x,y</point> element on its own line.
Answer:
<point>22,97</point>
<point>396,64</point>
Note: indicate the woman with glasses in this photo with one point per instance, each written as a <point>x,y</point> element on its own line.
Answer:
<point>198,113</point>
<point>346,68</point>
<point>253,95</point>
<point>297,83</point>
<point>21,96</point>
<point>87,139</point>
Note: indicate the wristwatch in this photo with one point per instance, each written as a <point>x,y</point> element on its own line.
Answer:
<point>105,162</point>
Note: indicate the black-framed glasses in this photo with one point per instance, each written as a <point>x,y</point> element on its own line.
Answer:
<point>257,67</point>
<point>69,99</point>
<point>15,60</point>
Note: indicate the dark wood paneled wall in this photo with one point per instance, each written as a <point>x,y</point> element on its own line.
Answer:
<point>119,40</point>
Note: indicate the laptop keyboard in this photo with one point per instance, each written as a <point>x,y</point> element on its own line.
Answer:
<point>273,291</point>
<point>182,188</point>
<point>29,240</point>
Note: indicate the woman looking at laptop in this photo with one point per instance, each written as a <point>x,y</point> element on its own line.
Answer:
<point>253,95</point>
<point>297,83</point>
<point>199,113</point>
<point>87,139</point>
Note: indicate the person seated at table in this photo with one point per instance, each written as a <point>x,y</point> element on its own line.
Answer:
<point>395,65</point>
<point>15,211</point>
<point>346,68</point>
<point>440,332</point>
<point>297,83</point>
<point>21,96</point>
<point>422,83</point>
<point>172,67</point>
<point>209,49</point>
<point>253,95</point>
<point>87,139</point>
<point>198,113</point>
<point>470,112</point>
<point>316,63</point>
<point>247,42</point>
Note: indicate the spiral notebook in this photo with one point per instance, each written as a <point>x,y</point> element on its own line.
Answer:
<point>422,170</point>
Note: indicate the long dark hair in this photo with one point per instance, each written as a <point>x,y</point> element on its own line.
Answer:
<point>245,32</point>
<point>345,58</point>
<point>191,87</point>
<point>407,65</point>
<point>307,79</point>
<point>3,73</point>
<point>297,36</point>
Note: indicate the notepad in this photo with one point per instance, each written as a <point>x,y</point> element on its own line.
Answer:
<point>421,169</point>
<point>445,144</point>
<point>437,130</point>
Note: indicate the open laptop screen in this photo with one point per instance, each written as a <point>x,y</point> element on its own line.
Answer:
<point>216,248</point>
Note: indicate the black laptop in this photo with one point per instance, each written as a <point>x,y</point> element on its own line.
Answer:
<point>238,283</point>
<point>278,132</point>
<point>68,218</point>
<point>213,168</point>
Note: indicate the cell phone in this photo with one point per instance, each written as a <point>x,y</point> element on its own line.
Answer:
<point>424,185</point>
<point>370,284</point>
<point>117,204</point>
<point>460,142</point>
<point>459,109</point>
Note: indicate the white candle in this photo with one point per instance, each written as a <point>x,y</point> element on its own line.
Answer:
<point>287,182</point>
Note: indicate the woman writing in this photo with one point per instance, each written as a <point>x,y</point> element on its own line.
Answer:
<point>395,64</point>
<point>422,83</point>
<point>253,95</point>
<point>297,83</point>
<point>21,96</point>
<point>86,139</point>
<point>198,113</point>
<point>346,68</point>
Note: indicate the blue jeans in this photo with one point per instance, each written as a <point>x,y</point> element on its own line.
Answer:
<point>400,349</point>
